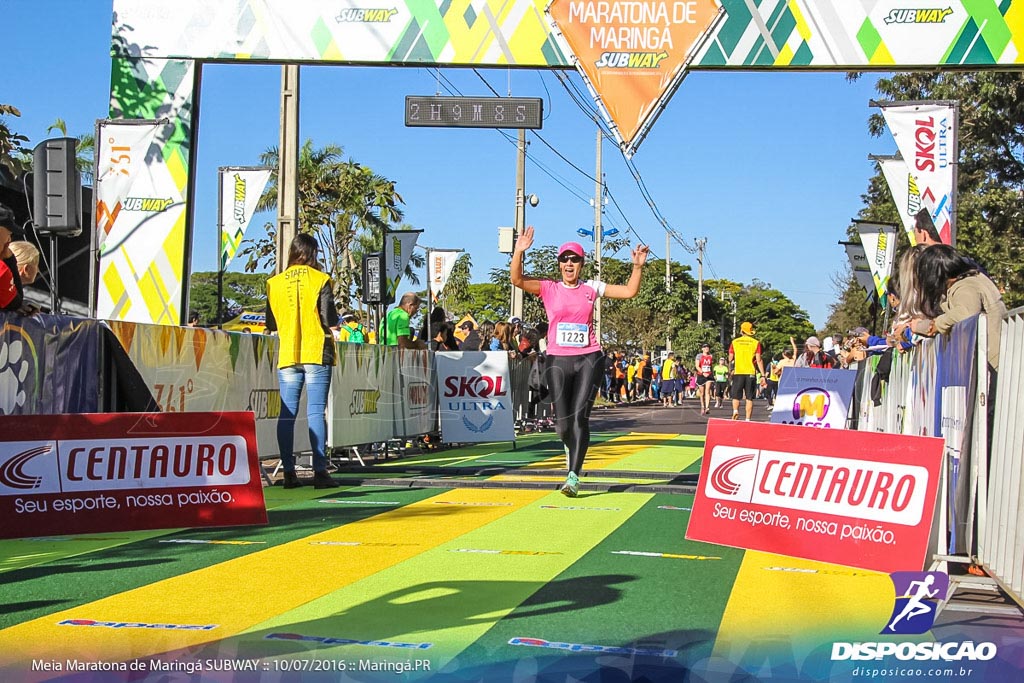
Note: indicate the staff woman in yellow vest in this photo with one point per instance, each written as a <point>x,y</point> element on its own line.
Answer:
<point>301,309</point>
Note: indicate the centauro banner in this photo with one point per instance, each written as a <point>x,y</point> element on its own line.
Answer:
<point>861,269</point>
<point>240,190</point>
<point>474,396</point>
<point>903,187</point>
<point>879,240</point>
<point>140,211</point>
<point>925,134</point>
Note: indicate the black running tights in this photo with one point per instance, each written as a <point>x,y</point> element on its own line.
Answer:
<point>573,382</point>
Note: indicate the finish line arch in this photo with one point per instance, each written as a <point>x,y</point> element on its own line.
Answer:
<point>159,47</point>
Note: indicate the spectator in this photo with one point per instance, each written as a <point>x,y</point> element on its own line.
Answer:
<point>302,311</point>
<point>397,327</point>
<point>444,338</point>
<point>351,330</point>
<point>952,289</point>
<point>27,256</point>
<point>11,287</point>
<point>193,316</point>
<point>472,341</point>
<point>813,356</point>
<point>924,229</point>
<point>437,316</point>
<point>667,386</point>
<point>721,373</point>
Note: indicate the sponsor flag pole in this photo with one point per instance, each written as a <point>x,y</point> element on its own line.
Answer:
<point>220,246</point>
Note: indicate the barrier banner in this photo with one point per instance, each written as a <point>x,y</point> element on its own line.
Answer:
<point>925,134</point>
<point>364,397</point>
<point>865,500</point>
<point>49,364</point>
<point>100,472</point>
<point>192,369</point>
<point>474,396</point>
<point>417,408</point>
<point>814,397</point>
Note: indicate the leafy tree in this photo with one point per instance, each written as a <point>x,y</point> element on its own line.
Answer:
<point>485,301</point>
<point>776,318</point>
<point>242,291</point>
<point>12,153</point>
<point>852,307</point>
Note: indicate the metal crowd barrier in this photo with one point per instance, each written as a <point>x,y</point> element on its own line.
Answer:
<point>941,388</point>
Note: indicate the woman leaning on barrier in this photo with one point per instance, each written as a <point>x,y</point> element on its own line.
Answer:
<point>953,289</point>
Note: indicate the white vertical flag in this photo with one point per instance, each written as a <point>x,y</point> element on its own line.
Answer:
<point>861,269</point>
<point>925,134</point>
<point>879,240</point>
<point>240,191</point>
<point>398,248</point>
<point>439,267</point>
<point>903,187</point>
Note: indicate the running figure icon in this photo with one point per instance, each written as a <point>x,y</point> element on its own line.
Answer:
<point>917,592</point>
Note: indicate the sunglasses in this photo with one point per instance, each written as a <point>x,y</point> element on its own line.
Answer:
<point>570,258</point>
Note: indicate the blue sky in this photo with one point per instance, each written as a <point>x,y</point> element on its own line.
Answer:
<point>770,167</point>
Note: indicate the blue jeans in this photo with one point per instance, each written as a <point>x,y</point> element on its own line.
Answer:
<point>317,378</point>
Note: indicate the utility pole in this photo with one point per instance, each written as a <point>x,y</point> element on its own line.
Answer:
<point>520,224</point>
<point>700,278</point>
<point>598,197</point>
<point>288,165</point>
<point>668,280</point>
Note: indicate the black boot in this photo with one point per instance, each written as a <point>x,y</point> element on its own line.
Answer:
<point>291,481</point>
<point>322,480</point>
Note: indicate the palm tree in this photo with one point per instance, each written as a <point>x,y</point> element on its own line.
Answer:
<point>339,201</point>
<point>85,150</point>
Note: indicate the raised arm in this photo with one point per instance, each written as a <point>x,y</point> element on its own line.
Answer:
<point>530,285</point>
<point>630,289</point>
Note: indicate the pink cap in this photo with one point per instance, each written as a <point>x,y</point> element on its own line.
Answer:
<point>572,247</point>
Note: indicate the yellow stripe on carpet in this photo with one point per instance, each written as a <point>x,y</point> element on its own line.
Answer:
<point>240,593</point>
<point>803,603</point>
<point>608,453</point>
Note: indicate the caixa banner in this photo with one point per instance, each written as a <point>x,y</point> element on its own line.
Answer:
<point>865,500</point>
<point>474,396</point>
<point>88,473</point>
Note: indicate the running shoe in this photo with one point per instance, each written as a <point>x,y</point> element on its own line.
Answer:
<point>735,416</point>
<point>571,486</point>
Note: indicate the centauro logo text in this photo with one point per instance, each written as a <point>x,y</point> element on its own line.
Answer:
<point>918,16</point>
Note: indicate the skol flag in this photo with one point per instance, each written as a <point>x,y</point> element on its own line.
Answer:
<point>439,267</point>
<point>861,269</point>
<point>240,190</point>
<point>398,248</point>
<point>903,187</point>
<point>925,134</point>
<point>879,240</point>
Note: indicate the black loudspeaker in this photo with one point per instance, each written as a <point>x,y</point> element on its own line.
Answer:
<point>56,188</point>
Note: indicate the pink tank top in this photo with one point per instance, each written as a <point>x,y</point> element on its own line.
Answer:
<point>571,316</point>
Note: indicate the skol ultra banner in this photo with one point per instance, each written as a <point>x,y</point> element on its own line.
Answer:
<point>474,396</point>
<point>98,472</point>
<point>865,500</point>
<point>398,248</point>
<point>814,397</point>
<point>925,134</point>
<point>140,216</point>
<point>439,267</point>
<point>879,241</point>
<point>632,54</point>
<point>240,190</point>
<point>903,187</point>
